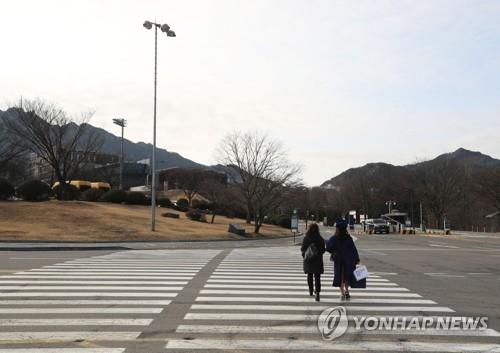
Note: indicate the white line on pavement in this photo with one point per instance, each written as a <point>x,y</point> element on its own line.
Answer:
<point>149,302</point>
<point>305,345</point>
<point>90,282</point>
<point>96,277</point>
<point>62,350</point>
<point>85,294</point>
<point>69,336</point>
<point>350,308</point>
<point>75,322</point>
<point>313,329</point>
<point>56,288</point>
<point>80,310</point>
<point>301,300</point>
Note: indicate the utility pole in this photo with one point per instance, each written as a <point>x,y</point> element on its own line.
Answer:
<point>122,123</point>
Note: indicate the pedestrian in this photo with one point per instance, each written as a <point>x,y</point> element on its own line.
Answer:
<point>313,248</point>
<point>345,258</point>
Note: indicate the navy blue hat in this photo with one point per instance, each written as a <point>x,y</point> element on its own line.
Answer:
<point>340,223</point>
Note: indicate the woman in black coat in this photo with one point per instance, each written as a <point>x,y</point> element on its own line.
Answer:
<point>313,267</point>
<point>345,258</point>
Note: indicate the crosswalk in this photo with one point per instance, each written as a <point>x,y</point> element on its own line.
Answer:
<point>252,300</point>
<point>257,300</point>
<point>109,298</point>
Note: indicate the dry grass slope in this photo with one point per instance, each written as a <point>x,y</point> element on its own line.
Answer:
<point>95,221</point>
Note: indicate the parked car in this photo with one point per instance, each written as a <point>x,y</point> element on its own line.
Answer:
<point>378,225</point>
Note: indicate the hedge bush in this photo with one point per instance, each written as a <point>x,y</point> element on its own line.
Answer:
<point>196,215</point>
<point>115,196</point>
<point>92,195</point>
<point>34,190</point>
<point>182,205</point>
<point>136,198</point>
<point>72,192</point>
<point>164,202</point>
<point>280,220</point>
<point>284,221</point>
<point>6,190</point>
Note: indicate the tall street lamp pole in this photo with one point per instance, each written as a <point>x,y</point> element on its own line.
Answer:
<point>122,123</point>
<point>166,29</point>
<point>390,204</point>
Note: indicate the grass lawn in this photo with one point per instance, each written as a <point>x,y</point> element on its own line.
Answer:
<point>98,221</point>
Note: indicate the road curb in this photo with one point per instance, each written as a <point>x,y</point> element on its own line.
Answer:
<point>113,245</point>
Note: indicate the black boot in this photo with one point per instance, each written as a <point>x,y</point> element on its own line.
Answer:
<point>317,296</point>
<point>310,292</point>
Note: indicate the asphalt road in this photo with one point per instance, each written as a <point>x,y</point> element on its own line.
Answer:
<point>219,297</point>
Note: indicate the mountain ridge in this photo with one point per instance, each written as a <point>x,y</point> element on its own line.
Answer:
<point>461,155</point>
<point>134,151</point>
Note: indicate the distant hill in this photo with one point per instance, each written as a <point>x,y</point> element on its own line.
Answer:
<point>379,171</point>
<point>133,151</point>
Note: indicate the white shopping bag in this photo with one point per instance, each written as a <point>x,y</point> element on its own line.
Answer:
<point>361,272</point>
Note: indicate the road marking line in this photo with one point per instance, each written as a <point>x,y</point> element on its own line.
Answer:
<point>265,273</point>
<point>350,308</point>
<point>62,350</point>
<point>57,288</point>
<point>75,322</point>
<point>80,310</point>
<point>85,294</point>
<point>286,317</point>
<point>374,288</point>
<point>303,292</point>
<point>270,276</point>
<point>211,280</point>
<point>313,329</point>
<point>91,282</point>
<point>114,274</point>
<point>149,302</point>
<point>305,345</point>
<point>384,273</point>
<point>40,258</point>
<point>478,273</point>
<point>96,277</point>
<point>444,246</point>
<point>277,286</point>
<point>69,336</point>
<point>301,300</point>
<point>126,271</point>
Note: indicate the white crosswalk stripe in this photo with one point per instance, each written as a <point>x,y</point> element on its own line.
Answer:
<point>110,298</point>
<point>257,299</point>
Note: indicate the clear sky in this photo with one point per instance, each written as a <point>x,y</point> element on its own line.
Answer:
<point>341,83</point>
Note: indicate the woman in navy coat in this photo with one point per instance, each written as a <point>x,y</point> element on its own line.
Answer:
<point>345,258</point>
<point>313,267</point>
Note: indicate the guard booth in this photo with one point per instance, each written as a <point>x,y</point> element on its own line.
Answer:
<point>398,220</point>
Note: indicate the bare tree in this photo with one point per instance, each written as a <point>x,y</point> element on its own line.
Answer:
<point>264,169</point>
<point>438,184</point>
<point>64,143</point>
<point>488,186</point>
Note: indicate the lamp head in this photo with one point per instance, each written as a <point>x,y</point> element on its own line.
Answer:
<point>170,34</point>
<point>165,28</point>
<point>147,25</point>
<point>120,122</point>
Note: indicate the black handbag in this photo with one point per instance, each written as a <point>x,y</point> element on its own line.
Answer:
<point>359,284</point>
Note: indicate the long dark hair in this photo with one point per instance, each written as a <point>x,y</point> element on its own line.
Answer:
<point>313,231</point>
<point>341,232</point>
